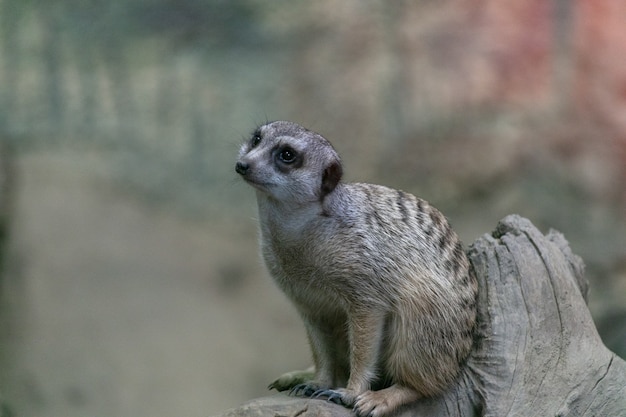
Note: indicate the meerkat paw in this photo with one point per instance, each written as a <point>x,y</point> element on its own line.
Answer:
<point>383,402</point>
<point>291,379</point>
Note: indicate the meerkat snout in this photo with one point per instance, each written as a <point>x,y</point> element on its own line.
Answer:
<point>241,167</point>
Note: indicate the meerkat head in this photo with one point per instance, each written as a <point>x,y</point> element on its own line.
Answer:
<point>289,163</point>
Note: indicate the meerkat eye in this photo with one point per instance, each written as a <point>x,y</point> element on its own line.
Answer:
<point>287,155</point>
<point>256,139</point>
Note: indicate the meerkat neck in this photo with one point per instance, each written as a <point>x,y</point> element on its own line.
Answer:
<point>286,219</point>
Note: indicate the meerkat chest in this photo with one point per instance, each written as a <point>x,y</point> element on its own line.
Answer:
<point>290,256</point>
<point>293,252</point>
<point>300,276</point>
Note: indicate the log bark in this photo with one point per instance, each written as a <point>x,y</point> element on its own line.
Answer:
<point>536,352</point>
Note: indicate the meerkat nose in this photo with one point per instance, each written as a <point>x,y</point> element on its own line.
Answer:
<point>241,167</point>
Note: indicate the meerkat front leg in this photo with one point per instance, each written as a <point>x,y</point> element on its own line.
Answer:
<point>324,341</point>
<point>366,332</point>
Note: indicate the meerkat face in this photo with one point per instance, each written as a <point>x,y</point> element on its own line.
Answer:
<point>289,163</point>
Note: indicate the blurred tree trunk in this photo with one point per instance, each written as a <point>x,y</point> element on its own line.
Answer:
<point>6,181</point>
<point>9,62</point>
<point>52,69</point>
<point>563,55</point>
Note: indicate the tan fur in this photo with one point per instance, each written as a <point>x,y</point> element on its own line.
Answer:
<point>378,276</point>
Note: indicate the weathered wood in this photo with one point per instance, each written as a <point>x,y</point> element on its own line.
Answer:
<point>537,351</point>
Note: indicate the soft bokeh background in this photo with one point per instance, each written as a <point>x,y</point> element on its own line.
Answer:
<point>131,283</point>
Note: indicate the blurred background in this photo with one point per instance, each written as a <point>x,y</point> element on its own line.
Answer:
<point>130,278</point>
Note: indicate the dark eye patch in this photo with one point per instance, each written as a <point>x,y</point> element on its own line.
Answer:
<point>256,139</point>
<point>286,156</point>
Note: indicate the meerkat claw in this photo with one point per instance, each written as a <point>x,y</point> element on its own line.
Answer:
<point>303,390</point>
<point>329,395</point>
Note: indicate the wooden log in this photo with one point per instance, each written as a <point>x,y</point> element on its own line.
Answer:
<point>537,351</point>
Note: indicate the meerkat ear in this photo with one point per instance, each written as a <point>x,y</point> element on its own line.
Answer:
<point>331,176</point>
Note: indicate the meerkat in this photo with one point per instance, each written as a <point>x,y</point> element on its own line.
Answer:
<point>378,276</point>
